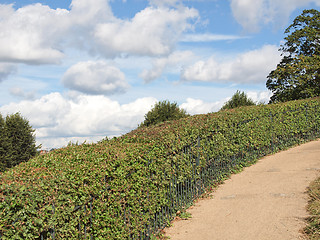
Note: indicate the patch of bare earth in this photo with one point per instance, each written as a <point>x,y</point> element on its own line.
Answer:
<point>265,201</point>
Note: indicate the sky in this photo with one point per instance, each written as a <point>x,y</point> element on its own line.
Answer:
<point>84,70</point>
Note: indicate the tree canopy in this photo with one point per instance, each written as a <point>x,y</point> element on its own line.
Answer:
<point>163,111</point>
<point>237,100</point>
<point>297,75</point>
<point>17,141</point>
<point>2,144</point>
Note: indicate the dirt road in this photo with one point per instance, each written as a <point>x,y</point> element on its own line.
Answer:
<point>265,201</point>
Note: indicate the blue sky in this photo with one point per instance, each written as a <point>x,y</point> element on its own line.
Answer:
<point>83,70</point>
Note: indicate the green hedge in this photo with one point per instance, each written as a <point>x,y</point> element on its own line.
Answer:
<point>129,187</point>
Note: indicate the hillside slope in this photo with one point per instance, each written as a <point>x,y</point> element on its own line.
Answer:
<point>131,186</point>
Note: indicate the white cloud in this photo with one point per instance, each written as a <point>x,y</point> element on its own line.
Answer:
<point>198,106</point>
<point>260,97</point>
<point>43,112</point>
<point>249,67</point>
<point>252,14</point>
<point>30,34</point>
<point>37,34</point>
<point>58,119</point>
<point>85,13</point>
<point>83,19</point>
<point>159,65</point>
<point>95,78</point>
<point>152,31</point>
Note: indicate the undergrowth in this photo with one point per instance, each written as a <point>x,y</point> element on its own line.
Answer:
<point>313,227</point>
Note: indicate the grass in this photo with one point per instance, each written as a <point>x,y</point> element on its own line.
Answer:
<point>313,226</point>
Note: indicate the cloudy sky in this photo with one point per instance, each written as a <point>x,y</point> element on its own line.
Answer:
<point>83,70</point>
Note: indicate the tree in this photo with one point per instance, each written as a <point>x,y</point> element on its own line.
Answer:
<point>3,160</point>
<point>17,140</point>
<point>237,100</point>
<point>297,75</point>
<point>163,111</point>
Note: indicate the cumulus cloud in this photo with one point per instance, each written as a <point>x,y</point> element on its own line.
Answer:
<point>153,31</point>
<point>95,78</point>
<point>252,14</point>
<point>249,67</point>
<point>159,65</point>
<point>84,13</point>
<point>260,97</point>
<point>37,34</point>
<point>42,113</point>
<point>198,106</point>
<point>58,118</point>
<point>29,34</point>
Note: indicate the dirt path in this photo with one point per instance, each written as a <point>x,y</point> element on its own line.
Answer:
<point>266,201</point>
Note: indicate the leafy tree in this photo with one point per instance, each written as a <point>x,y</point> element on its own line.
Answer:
<point>237,100</point>
<point>3,161</point>
<point>163,111</point>
<point>17,140</point>
<point>297,76</point>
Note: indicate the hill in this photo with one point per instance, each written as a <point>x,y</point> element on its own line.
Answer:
<point>131,186</point>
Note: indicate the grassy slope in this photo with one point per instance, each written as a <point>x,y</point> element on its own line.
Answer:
<point>120,171</point>
<point>313,228</point>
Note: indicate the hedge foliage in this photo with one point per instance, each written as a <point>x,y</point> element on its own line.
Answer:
<point>113,189</point>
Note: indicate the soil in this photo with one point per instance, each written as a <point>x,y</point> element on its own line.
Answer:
<point>265,201</point>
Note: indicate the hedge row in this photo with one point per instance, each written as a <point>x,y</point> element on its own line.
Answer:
<point>130,186</point>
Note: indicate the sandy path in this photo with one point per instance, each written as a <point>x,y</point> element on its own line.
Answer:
<point>265,201</point>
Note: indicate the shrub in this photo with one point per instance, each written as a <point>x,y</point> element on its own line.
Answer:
<point>17,141</point>
<point>237,100</point>
<point>163,111</point>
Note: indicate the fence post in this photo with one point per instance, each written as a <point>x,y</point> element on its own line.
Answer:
<point>198,172</point>
<point>198,152</point>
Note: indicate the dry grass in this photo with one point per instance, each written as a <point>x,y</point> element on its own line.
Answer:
<point>313,227</point>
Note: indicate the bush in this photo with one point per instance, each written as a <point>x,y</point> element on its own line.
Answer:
<point>2,144</point>
<point>17,141</point>
<point>238,99</point>
<point>163,111</point>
